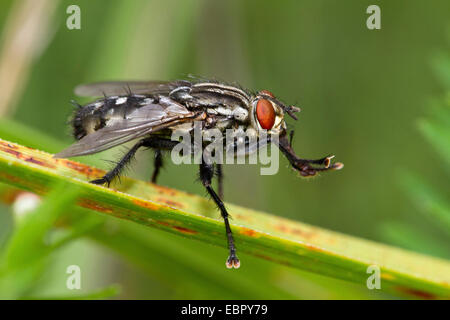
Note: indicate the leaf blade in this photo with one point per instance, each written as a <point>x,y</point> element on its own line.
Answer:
<point>266,236</point>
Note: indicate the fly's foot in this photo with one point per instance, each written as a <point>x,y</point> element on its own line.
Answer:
<point>233,261</point>
<point>337,166</point>
<point>101,181</point>
<point>306,168</point>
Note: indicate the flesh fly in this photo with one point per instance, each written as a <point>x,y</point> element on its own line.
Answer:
<point>150,111</point>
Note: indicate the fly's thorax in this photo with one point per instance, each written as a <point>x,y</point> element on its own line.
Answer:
<point>234,112</point>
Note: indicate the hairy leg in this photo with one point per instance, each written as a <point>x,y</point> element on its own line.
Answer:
<point>220,180</point>
<point>110,175</point>
<point>305,166</point>
<point>158,163</point>
<point>151,142</point>
<point>206,175</point>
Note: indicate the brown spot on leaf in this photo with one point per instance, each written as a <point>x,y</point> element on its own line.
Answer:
<point>23,183</point>
<point>11,151</point>
<point>272,259</point>
<point>164,223</point>
<point>264,256</point>
<point>170,203</point>
<point>146,204</point>
<point>9,177</point>
<point>165,190</point>
<point>82,168</point>
<point>93,205</point>
<point>304,234</point>
<point>5,144</point>
<point>185,230</point>
<point>417,293</point>
<point>38,162</point>
<point>313,248</point>
<point>248,232</point>
<point>19,155</point>
<point>281,228</point>
<point>242,217</point>
<point>295,231</point>
<point>178,228</point>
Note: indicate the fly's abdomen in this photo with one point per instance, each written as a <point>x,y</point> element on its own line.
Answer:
<point>98,114</point>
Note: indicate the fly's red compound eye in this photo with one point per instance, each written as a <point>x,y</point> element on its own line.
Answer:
<point>265,114</point>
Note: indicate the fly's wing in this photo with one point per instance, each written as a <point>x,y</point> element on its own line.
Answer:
<point>118,88</point>
<point>143,121</point>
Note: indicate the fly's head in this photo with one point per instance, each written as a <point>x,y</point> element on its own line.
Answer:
<point>268,114</point>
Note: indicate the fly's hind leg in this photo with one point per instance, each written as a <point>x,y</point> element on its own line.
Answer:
<point>151,142</point>
<point>206,175</point>
<point>110,175</point>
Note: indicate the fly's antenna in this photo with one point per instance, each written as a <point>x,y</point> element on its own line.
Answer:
<point>290,110</point>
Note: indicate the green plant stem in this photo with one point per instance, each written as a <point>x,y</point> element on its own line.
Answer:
<point>260,234</point>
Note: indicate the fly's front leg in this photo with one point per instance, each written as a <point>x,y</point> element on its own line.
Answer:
<point>206,175</point>
<point>305,166</point>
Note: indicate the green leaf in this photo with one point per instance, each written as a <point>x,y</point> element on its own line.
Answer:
<point>259,234</point>
<point>431,202</point>
<point>104,293</point>
<point>436,129</point>
<point>24,256</point>
<point>28,241</point>
<point>440,63</point>
<point>413,238</point>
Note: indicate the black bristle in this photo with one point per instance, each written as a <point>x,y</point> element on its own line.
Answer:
<point>76,104</point>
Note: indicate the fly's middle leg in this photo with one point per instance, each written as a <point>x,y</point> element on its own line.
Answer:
<point>206,175</point>
<point>158,163</point>
<point>220,180</point>
<point>159,144</point>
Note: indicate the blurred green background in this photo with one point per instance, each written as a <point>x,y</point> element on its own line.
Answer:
<point>361,92</point>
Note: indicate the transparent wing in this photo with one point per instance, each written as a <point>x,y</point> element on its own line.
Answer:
<point>113,88</point>
<point>143,121</point>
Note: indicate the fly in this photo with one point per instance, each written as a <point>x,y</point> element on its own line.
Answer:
<point>149,111</point>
